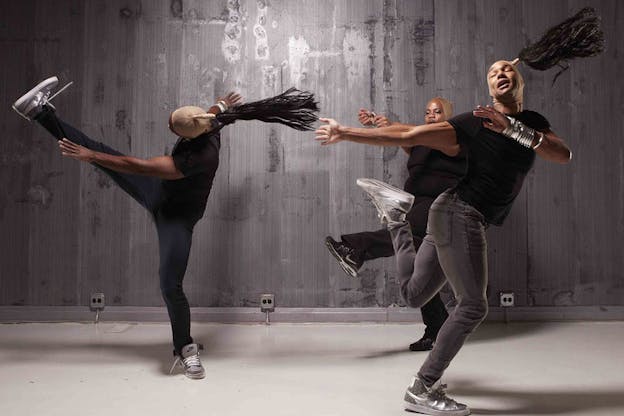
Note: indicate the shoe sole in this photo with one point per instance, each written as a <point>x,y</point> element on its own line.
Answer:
<point>349,270</point>
<point>369,184</point>
<point>195,376</point>
<point>432,412</point>
<point>29,95</point>
<point>372,186</point>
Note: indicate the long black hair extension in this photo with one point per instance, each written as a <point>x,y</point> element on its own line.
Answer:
<point>579,36</point>
<point>294,108</point>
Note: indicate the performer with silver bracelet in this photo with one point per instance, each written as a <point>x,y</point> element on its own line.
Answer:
<point>500,152</point>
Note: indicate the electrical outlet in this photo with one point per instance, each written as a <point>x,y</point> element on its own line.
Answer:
<point>507,299</point>
<point>97,301</point>
<point>267,302</point>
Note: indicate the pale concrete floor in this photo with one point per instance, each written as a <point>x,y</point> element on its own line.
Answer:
<point>306,370</point>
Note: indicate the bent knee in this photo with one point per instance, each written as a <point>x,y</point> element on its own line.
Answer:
<point>473,311</point>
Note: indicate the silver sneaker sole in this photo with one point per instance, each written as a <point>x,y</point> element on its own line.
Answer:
<point>433,412</point>
<point>372,185</point>
<point>197,376</point>
<point>45,84</point>
<point>376,189</point>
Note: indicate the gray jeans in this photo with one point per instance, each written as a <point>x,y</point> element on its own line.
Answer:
<point>455,241</point>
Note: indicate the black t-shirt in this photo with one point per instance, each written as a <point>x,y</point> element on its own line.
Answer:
<point>431,172</point>
<point>497,165</point>
<point>198,160</point>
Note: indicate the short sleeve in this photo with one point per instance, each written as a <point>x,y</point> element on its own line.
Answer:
<point>466,126</point>
<point>196,157</point>
<point>535,120</point>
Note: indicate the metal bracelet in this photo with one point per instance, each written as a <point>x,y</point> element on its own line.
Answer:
<point>519,132</point>
<point>222,105</point>
<point>539,142</point>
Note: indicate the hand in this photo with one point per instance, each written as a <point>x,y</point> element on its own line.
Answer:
<point>366,117</point>
<point>328,133</point>
<point>493,119</point>
<point>75,151</point>
<point>381,121</point>
<point>231,99</point>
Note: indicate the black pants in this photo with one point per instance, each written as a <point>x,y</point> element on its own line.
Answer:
<point>374,244</point>
<point>174,233</point>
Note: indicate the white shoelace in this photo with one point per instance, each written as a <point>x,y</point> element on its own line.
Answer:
<point>190,361</point>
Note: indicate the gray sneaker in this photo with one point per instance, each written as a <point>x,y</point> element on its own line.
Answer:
<point>392,203</point>
<point>189,359</point>
<point>432,400</point>
<point>31,103</point>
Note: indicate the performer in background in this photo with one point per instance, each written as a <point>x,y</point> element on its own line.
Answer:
<point>431,172</point>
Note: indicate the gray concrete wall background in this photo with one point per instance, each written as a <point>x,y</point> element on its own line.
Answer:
<point>68,231</point>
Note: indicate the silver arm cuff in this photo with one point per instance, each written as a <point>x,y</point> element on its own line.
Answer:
<point>519,132</point>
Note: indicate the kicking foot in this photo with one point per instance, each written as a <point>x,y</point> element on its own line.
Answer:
<point>30,104</point>
<point>392,203</point>
<point>432,400</point>
<point>189,359</point>
<point>345,255</point>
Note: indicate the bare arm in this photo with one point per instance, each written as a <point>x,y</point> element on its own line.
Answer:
<point>369,118</point>
<point>439,136</point>
<point>552,147</point>
<point>161,167</point>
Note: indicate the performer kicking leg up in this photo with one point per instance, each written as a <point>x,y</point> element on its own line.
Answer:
<point>174,189</point>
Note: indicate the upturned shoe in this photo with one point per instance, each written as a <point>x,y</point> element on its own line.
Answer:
<point>392,203</point>
<point>346,256</point>
<point>30,104</point>
<point>188,358</point>
<point>432,400</point>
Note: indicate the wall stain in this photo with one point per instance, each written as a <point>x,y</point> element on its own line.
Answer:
<point>177,9</point>
<point>370,30</point>
<point>103,181</point>
<point>259,31</point>
<point>275,150</point>
<point>564,298</point>
<point>230,46</point>
<point>120,120</point>
<point>37,195</point>
<point>298,52</point>
<point>127,13</point>
<point>422,32</point>
<point>95,221</point>
<point>98,92</point>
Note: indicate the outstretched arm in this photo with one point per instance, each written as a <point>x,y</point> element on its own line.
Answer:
<point>439,136</point>
<point>368,118</point>
<point>550,147</point>
<point>161,167</point>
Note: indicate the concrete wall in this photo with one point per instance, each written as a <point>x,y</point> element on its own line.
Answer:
<point>68,231</point>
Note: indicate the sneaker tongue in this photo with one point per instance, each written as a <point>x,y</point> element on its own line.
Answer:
<point>188,350</point>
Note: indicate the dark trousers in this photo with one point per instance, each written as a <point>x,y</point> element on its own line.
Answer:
<point>174,233</point>
<point>374,244</point>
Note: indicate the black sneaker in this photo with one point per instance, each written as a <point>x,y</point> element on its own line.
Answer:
<point>423,344</point>
<point>345,255</point>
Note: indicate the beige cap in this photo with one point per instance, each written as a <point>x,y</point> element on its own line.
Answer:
<point>190,121</point>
